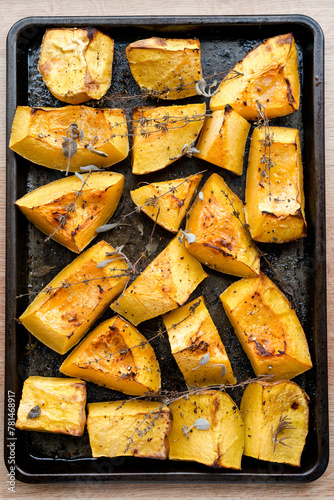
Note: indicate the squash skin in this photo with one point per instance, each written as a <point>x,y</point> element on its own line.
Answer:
<point>134,372</point>
<point>191,336</point>
<point>98,202</point>
<point>160,148</point>
<point>62,405</point>
<point>222,242</point>
<point>267,328</point>
<point>166,283</point>
<point>262,406</point>
<point>159,64</point>
<point>169,210</point>
<point>275,211</point>
<point>61,317</point>
<point>223,139</point>
<point>37,134</point>
<point>222,444</point>
<point>269,74</point>
<point>76,64</point>
<point>110,426</point>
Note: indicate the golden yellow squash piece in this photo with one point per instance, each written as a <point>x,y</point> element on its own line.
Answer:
<point>48,207</point>
<point>50,404</point>
<point>267,327</point>
<point>197,347</point>
<point>38,135</point>
<point>217,221</point>
<point>166,283</point>
<point>276,417</point>
<point>65,309</point>
<point>167,202</point>
<point>115,429</point>
<point>275,196</point>
<point>161,134</point>
<point>223,138</point>
<point>167,68</point>
<point>268,74</point>
<point>115,355</point>
<point>76,64</point>
<point>220,445</point>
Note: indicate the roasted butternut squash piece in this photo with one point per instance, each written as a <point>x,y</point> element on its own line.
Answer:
<point>161,135</point>
<point>267,74</point>
<point>217,222</point>
<point>38,134</point>
<point>167,68</point>
<point>276,417</point>
<point>50,404</point>
<point>129,428</point>
<point>165,284</point>
<point>167,202</point>
<point>223,138</point>
<point>48,207</point>
<point>197,347</point>
<point>65,309</point>
<point>267,327</point>
<point>76,64</point>
<point>274,194</point>
<point>207,428</point>
<point>118,356</point>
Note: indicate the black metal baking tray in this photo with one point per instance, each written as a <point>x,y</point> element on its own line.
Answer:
<point>224,40</point>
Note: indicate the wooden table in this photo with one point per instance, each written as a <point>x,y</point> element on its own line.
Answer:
<point>323,12</point>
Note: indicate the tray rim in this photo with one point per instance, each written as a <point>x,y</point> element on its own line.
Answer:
<point>320,238</point>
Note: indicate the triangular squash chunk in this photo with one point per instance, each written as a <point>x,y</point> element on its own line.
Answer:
<point>167,202</point>
<point>218,233</point>
<point>116,356</point>
<point>268,74</point>
<point>48,207</point>
<point>162,134</point>
<point>165,284</point>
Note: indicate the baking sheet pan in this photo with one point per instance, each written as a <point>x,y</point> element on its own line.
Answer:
<point>44,457</point>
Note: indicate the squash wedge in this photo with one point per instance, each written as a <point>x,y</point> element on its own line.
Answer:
<point>220,239</point>
<point>38,134</point>
<point>115,355</point>
<point>275,202</point>
<point>219,445</point>
<point>276,418</point>
<point>47,207</point>
<point>50,404</point>
<point>193,338</point>
<point>161,135</point>
<point>267,74</point>
<point>167,68</point>
<point>165,284</point>
<point>267,328</point>
<point>223,138</point>
<point>65,309</point>
<point>167,202</point>
<point>76,64</point>
<point>129,428</point>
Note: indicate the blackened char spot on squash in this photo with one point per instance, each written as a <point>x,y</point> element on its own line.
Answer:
<point>283,39</point>
<point>289,93</point>
<point>294,405</point>
<point>228,109</point>
<point>91,33</point>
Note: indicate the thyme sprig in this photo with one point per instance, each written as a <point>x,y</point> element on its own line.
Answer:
<point>265,160</point>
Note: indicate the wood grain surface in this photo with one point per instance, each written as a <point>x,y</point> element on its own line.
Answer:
<point>323,12</point>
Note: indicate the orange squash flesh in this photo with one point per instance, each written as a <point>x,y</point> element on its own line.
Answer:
<point>217,221</point>
<point>116,356</point>
<point>268,74</point>
<point>80,293</point>
<point>267,328</point>
<point>275,204</point>
<point>38,133</point>
<point>47,204</point>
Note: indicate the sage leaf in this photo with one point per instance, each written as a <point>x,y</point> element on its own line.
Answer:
<point>34,412</point>
<point>42,271</point>
<point>202,424</point>
<point>90,168</point>
<point>106,227</point>
<point>79,176</point>
<point>69,147</point>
